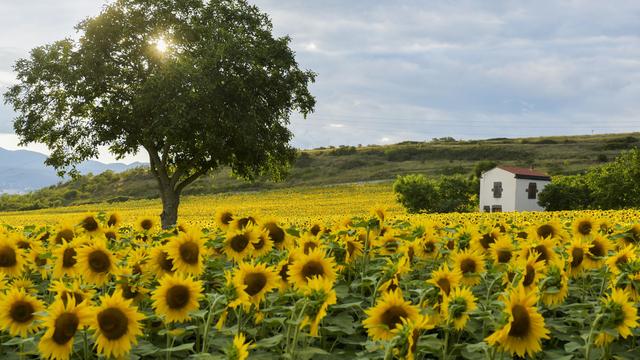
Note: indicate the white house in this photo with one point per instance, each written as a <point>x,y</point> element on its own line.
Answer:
<point>506,188</point>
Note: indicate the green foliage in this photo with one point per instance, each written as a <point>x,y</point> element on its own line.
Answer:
<point>566,192</point>
<point>447,194</point>
<point>483,166</point>
<point>615,185</point>
<point>221,95</point>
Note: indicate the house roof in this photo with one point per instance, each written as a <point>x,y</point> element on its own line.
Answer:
<point>525,173</point>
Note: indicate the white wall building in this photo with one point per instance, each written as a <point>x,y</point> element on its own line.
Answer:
<point>506,188</point>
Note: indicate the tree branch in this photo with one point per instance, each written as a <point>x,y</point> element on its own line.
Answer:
<point>191,178</point>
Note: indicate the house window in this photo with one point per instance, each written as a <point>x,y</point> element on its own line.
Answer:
<point>496,208</point>
<point>532,190</point>
<point>497,189</point>
<point>487,208</point>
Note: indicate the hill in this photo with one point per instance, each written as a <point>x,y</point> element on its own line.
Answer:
<point>347,164</point>
<point>22,170</point>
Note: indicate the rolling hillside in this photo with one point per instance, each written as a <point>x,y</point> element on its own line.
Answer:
<point>323,167</point>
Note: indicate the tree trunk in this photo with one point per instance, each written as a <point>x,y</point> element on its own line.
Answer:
<point>170,203</point>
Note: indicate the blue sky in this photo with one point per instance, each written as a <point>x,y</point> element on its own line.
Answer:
<point>390,71</point>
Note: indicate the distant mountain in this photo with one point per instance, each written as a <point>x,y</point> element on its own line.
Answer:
<point>23,170</point>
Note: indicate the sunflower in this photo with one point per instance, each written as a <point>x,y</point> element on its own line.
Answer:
<point>223,218</point>
<point>116,324</point>
<point>239,349</point>
<point>237,244</point>
<point>263,245</point>
<point>19,312</point>
<point>484,241</point>
<point>577,252</point>
<point>176,296</point>
<point>353,248</point>
<point>257,280</point>
<point>445,279</point>
<point>243,222</point>
<point>113,219</point>
<point>631,236</point>
<point>76,291</point>
<point>96,262</point>
<point>145,224</point>
<point>531,270</point>
<point>388,313</point>
<point>66,259</point>
<point>547,230</point>
<point>620,258</point>
<point>89,224</point>
<point>306,266</point>
<point>380,212</point>
<point>159,262</point>
<point>12,258</point>
<point>279,237</point>
<point>584,227</point>
<point>316,228</point>
<point>502,250</point>
<point>320,294</point>
<point>62,323</point>
<point>110,234</point>
<point>470,264</point>
<point>555,286</point>
<point>598,251</point>
<point>186,251</point>
<point>428,245</point>
<point>545,248</point>
<point>408,335</point>
<point>388,244</point>
<point>64,232</point>
<point>457,305</point>
<point>524,329</point>
<point>39,260</point>
<point>619,313</point>
<point>309,242</point>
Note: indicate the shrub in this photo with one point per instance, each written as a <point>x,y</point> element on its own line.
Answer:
<point>448,194</point>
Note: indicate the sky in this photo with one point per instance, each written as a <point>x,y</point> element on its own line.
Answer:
<point>390,71</point>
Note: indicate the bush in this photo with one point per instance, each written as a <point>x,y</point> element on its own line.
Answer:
<point>449,194</point>
<point>566,193</point>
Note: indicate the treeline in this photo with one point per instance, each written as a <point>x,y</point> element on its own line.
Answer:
<point>615,185</point>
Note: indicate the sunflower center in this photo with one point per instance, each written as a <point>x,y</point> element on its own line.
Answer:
<point>597,250</point>
<point>521,323</point>
<point>90,224</point>
<point>65,328</point>
<point>578,255</point>
<point>23,244</point>
<point>544,253</point>
<point>239,242</point>
<point>146,224</point>
<point>529,276</point>
<point>113,219</point>
<point>315,229</point>
<point>468,266</point>
<point>8,257</point>
<point>226,218</point>
<point>622,259</point>
<point>255,283</point>
<point>351,248</point>
<point>260,244</point>
<point>190,252</point>
<point>545,231</point>
<point>276,232</point>
<point>309,245</point>
<point>178,296</point>
<point>284,272</point>
<point>64,234</point>
<point>110,235</point>
<point>429,247</point>
<point>69,257</point>
<point>65,296</point>
<point>584,227</point>
<point>99,261</point>
<point>40,261</point>
<point>21,311</point>
<point>393,316</point>
<point>487,239</point>
<point>445,285</point>
<point>164,262</point>
<point>128,292</point>
<point>451,244</point>
<point>312,268</point>
<point>522,235</point>
<point>113,323</point>
<point>503,255</point>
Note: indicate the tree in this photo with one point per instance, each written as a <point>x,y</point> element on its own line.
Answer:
<point>416,193</point>
<point>482,166</point>
<point>566,193</point>
<point>196,84</point>
<point>616,185</point>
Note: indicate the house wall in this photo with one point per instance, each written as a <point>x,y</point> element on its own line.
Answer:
<point>523,203</point>
<point>508,200</point>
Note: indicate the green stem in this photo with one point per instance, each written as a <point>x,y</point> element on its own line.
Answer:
<point>297,331</point>
<point>587,352</point>
<point>445,345</point>
<point>207,325</point>
<point>239,312</point>
<point>85,344</point>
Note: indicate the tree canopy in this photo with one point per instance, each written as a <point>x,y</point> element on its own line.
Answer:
<point>196,84</point>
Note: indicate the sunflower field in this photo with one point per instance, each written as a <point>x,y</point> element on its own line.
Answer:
<point>552,285</point>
